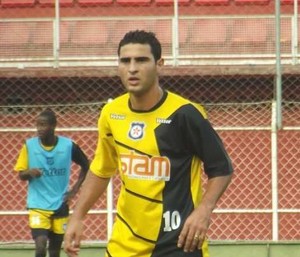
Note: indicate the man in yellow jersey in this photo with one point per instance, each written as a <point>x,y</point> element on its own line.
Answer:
<point>157,141</point>
<point>45,162</point>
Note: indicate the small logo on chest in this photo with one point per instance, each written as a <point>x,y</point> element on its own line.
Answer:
<point>50,160</point>
<point>136,130</point>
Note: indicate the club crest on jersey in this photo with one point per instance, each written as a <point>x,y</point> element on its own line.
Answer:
<point>136,130</point>
<point>50,160</point>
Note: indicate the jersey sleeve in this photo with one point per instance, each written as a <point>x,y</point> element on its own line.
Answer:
<point>79,157</point>
<point>105,162</point>
<point>22,161</point>
<point>206,143</point>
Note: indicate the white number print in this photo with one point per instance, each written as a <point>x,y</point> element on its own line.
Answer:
<point>172,220</point>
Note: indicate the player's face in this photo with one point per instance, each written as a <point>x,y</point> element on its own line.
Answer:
<point>44,128</point>
<point>138,69</point>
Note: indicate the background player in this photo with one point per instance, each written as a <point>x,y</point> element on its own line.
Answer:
<point>45,162</point>
<point>158,142</point>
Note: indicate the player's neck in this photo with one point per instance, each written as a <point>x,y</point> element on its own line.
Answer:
<point>147,101</point>
<point>49,141</point>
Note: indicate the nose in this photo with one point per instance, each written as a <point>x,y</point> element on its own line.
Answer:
<point>40,131</point>
<point>132,66</point>
<point>41,128</point>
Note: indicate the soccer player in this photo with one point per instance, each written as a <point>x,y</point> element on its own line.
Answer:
<point>45,162</point>
<point>157,141</point>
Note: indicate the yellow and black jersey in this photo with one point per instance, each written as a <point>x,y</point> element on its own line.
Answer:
<point>159,155</point>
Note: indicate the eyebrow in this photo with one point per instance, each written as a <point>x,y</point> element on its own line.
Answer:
<point>138,59</point>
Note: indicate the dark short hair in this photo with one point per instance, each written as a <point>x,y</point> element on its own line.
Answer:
<point>50,115</point>
<point>142,37</point>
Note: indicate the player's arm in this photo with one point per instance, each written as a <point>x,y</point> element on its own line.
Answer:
<point>93,187</point>
<point>29,174</point>
<point>22,166</point>
<point>215,188</point>
<point>208,146</point>
<point>196,226</point>
<point>219,169</point>
<point>79,157</point>
<point>103,167</point>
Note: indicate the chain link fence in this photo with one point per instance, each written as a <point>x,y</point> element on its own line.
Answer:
<point>218,53</point>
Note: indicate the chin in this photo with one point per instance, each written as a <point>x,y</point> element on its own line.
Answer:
<point>133,90</point>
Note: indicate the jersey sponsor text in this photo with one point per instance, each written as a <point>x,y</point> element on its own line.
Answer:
<point>54,171</point>
<point>145,168</point>
<point>163,121</point>
<point>117,116</point>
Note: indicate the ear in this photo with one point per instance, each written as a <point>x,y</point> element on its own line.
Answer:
<point>160,62</point>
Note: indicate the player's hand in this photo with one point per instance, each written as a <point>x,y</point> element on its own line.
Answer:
<point>72,238</point>
<point>194,230</point>
<point>35,173</point>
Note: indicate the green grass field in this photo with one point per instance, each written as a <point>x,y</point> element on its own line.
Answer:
<point>217,249</point>
<point>29,252</point>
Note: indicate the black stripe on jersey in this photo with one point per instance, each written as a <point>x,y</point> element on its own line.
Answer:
<point>108,253</point>
<point>142,196</point>
<point>136,235</point>
<point>130,148</point>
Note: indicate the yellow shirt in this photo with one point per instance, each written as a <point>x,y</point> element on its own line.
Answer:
<point>158,154</point>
